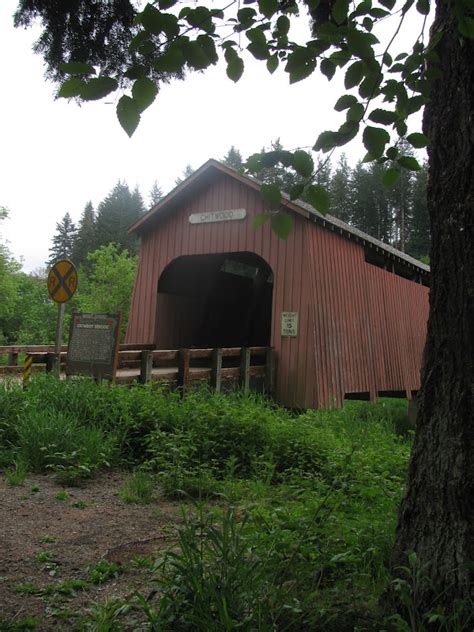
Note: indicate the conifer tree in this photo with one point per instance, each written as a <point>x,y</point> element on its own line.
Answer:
<point>419,240</point>
<point>233,158</point>
<point>63,240</point>
<point>340,191</point>
<point>115,214</point>
<point>85,241</point>
<point>156,194</point>
<point>188,170</point>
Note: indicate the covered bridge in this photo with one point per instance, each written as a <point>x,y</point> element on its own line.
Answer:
<point>345,313</point>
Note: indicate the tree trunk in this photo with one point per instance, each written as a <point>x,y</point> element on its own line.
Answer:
<point>436,519</point>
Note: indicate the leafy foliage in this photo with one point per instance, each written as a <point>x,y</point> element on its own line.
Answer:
<point>299,531</point>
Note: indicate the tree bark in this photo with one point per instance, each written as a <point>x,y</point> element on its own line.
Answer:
<point>436,519</point>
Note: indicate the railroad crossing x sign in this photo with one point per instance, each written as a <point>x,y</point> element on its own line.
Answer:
<point>62,281</point>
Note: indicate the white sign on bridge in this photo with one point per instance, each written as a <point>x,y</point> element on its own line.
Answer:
<point>218,216</point>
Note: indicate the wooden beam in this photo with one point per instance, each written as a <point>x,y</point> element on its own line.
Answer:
<point>270,371</point>
<point>146,366</point>
<point>216,370</point>
<point>245,369</point>
<point>183,370</point>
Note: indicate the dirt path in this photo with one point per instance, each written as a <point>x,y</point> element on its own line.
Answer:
<point>50,534</point>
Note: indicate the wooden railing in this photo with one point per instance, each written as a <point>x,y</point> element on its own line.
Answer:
<point>143,363</point>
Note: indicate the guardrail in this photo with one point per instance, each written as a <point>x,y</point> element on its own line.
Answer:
<point>143,364</point>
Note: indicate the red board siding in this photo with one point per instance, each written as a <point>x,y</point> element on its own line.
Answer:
<point>361,328</point>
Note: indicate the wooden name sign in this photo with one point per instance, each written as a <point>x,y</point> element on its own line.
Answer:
<point>93,345</point>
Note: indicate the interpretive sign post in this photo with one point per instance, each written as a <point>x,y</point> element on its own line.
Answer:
<point>93,345</point>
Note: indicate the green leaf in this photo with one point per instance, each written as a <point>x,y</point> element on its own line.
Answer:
<point>235,65</point>
<point>345,102</point>
<point>390,177</point>
<point>150,17</point>
<point>283,25</point>
<point>409,162</point>
<point>98,88</point>
<point>128,114</point>
<point>196,56</point>
<point>340,10</point>
<point>303,163</point>
<point>423,7</point>
<point>157,22</point>
<point>257,36</point>
<point>272,63</point>
<point>71,88</point>
<point>355,112</point>
<point>246,16</point>
<point>354,74</point>
<point>392,153</point>
<point>282,225</point>
<point>296,190</point>
<point>415,104</point>
<point>384,117</point>
<point>349,129</point>
<point>166,4</point>
<point>466,26</point>
<point>258,50</point>
<point>144,92</point>
<point>327,141</point>
<point>268,7</point>
<point>139,39</point>
<point>328,68</point>
<point>259,220</point>
<point>300,64</point>
<point>271,194</point>
<point>360,43</point>
<point>172,60</point>
<point>319,198</point>
<point>340,57</point>
<point>375,139</point>
<point>417,140</point>
<point>77,68</point>
<point>136,71</point>
<point>370,85</point>
<point>388,3</point>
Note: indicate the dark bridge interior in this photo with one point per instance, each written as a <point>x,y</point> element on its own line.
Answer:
<point>220,300</point>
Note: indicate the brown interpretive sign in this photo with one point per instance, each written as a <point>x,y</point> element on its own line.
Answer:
<point>93,345</point>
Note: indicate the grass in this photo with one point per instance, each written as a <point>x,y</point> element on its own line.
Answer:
<point>138,488</point>
<point>290,517</point>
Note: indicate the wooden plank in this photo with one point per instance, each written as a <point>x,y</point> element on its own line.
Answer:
<point>13,358</point>
<point>231,352</point>
<point>124,356</point>
<point>199,374</point>
<point>231,371</point>
<point>245,369</point>
<point>136,347</point>
<point>201,353</point>
<point>258,351</point>
<point>183,370</point>
<point>165,354</point>
<point>53,363</point>
<point>146,366</point>
<point>270,371</point>
<point>216,370</point>
<point>29,348</point>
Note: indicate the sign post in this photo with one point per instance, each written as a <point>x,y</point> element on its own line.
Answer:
<point>62,284</point>
<point>27,369</point>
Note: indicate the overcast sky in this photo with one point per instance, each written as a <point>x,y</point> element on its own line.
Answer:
<point>56,156</point>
